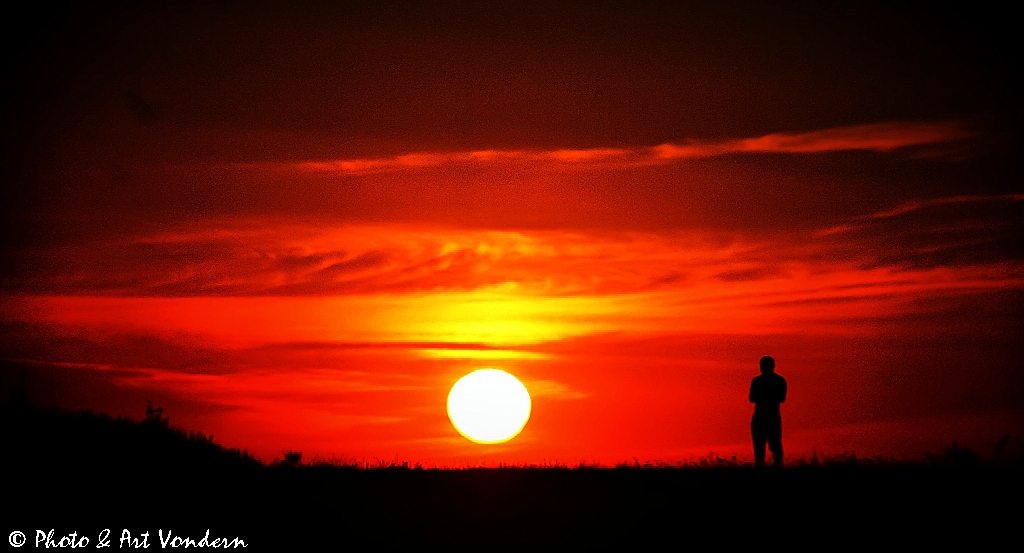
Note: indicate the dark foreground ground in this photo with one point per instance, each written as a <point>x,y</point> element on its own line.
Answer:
<point>88,474</point>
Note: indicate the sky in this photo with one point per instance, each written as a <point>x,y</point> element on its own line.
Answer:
<point>295,226</point>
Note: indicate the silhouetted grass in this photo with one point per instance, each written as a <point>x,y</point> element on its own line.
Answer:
<point>57,440</point>
<point>88,472</point>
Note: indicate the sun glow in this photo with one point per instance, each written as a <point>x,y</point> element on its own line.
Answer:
<point>489,406</point>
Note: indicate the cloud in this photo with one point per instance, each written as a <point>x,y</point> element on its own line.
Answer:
<point>485,295</point>
<point>946,231</point>
<point>744,274</point>
<point>283,259</point>
<point>876,137</point>
<point>610,187</point>
<point>414,161</point>
<point>192,366</point>
<point>553,389</point>
<point>918,205</point>
<point>879,137</point>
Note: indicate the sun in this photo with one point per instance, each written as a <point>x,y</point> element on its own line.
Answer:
<point>489,406</point>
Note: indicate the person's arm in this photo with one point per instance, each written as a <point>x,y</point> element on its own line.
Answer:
<point>753,384</point>
<point>782,398</point>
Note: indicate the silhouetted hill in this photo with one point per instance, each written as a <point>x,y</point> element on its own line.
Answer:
<point>86,473</point>
<point>86,442</point>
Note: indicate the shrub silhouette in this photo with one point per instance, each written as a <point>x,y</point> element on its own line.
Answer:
<point>154,417</point>
<point>292,459</point>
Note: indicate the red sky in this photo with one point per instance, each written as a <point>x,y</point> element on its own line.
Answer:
<point>295,229</point>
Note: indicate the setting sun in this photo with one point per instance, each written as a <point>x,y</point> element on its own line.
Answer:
<point>489,406</point>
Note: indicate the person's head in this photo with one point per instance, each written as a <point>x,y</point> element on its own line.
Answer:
<point>767,364</point>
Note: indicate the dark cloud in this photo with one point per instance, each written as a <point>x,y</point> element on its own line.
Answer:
<point>975,234</point>
<point>368,260</point>
<point>116,353</point>
<point>757,273</point>
<point>61,386</point>
<point>127,120</point>
<point>939,232</point>
<point>411,77</point>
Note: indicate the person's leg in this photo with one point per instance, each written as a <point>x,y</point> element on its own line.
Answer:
<point>758,433</point>
<point>775,441</point>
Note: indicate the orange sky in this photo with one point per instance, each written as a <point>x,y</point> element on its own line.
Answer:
<point>294,240</point>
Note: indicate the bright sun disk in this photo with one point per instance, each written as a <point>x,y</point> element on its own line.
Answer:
<point>489,406</point>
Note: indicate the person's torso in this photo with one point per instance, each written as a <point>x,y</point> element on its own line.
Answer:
<point>769,392</point>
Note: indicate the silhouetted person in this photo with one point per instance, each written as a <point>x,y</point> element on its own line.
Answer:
<point>767,392</point>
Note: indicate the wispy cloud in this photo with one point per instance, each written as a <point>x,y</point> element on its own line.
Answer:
<point>551,388</point>
<point>286,259</point>
<point>877,137</point>
<point>422,160</point>
<point>479,295</point>
<point>950,231</point>
<point>918,205</point>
